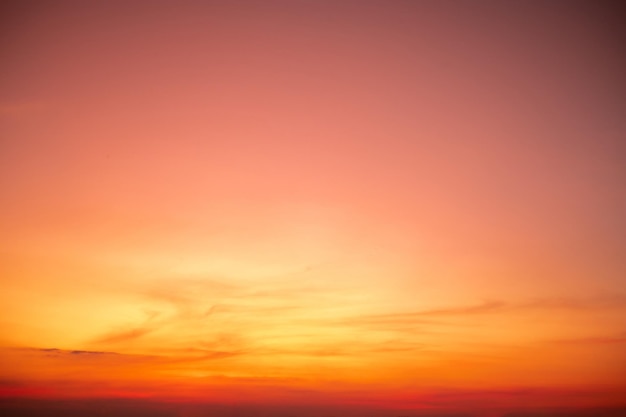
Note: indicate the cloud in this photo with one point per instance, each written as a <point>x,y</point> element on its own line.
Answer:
<point>421,321</point>
<point>483,308</point>
<point>198,310</point>
<point>491,307</point>
<point>172,357</point>
<point>200,355</point>
<point>616,301</point>
<point>120,336</point>
<point>123,336</point>
<point>51,360</point>
<point>90,352</point>
<point>55,351</point>
<point>598,340</point>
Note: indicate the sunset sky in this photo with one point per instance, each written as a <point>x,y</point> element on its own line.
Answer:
<point>328,207</point>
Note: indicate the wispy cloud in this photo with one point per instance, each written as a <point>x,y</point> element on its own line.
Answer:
<point>485,307</point>
<point>124,335</point>
<point>596,340</point>
<point>492,307</point>
<point>55,351</point>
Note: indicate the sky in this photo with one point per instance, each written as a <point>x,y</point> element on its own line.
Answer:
<point>365,208</point>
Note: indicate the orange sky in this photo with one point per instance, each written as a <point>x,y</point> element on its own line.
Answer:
<point>380,204</point>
